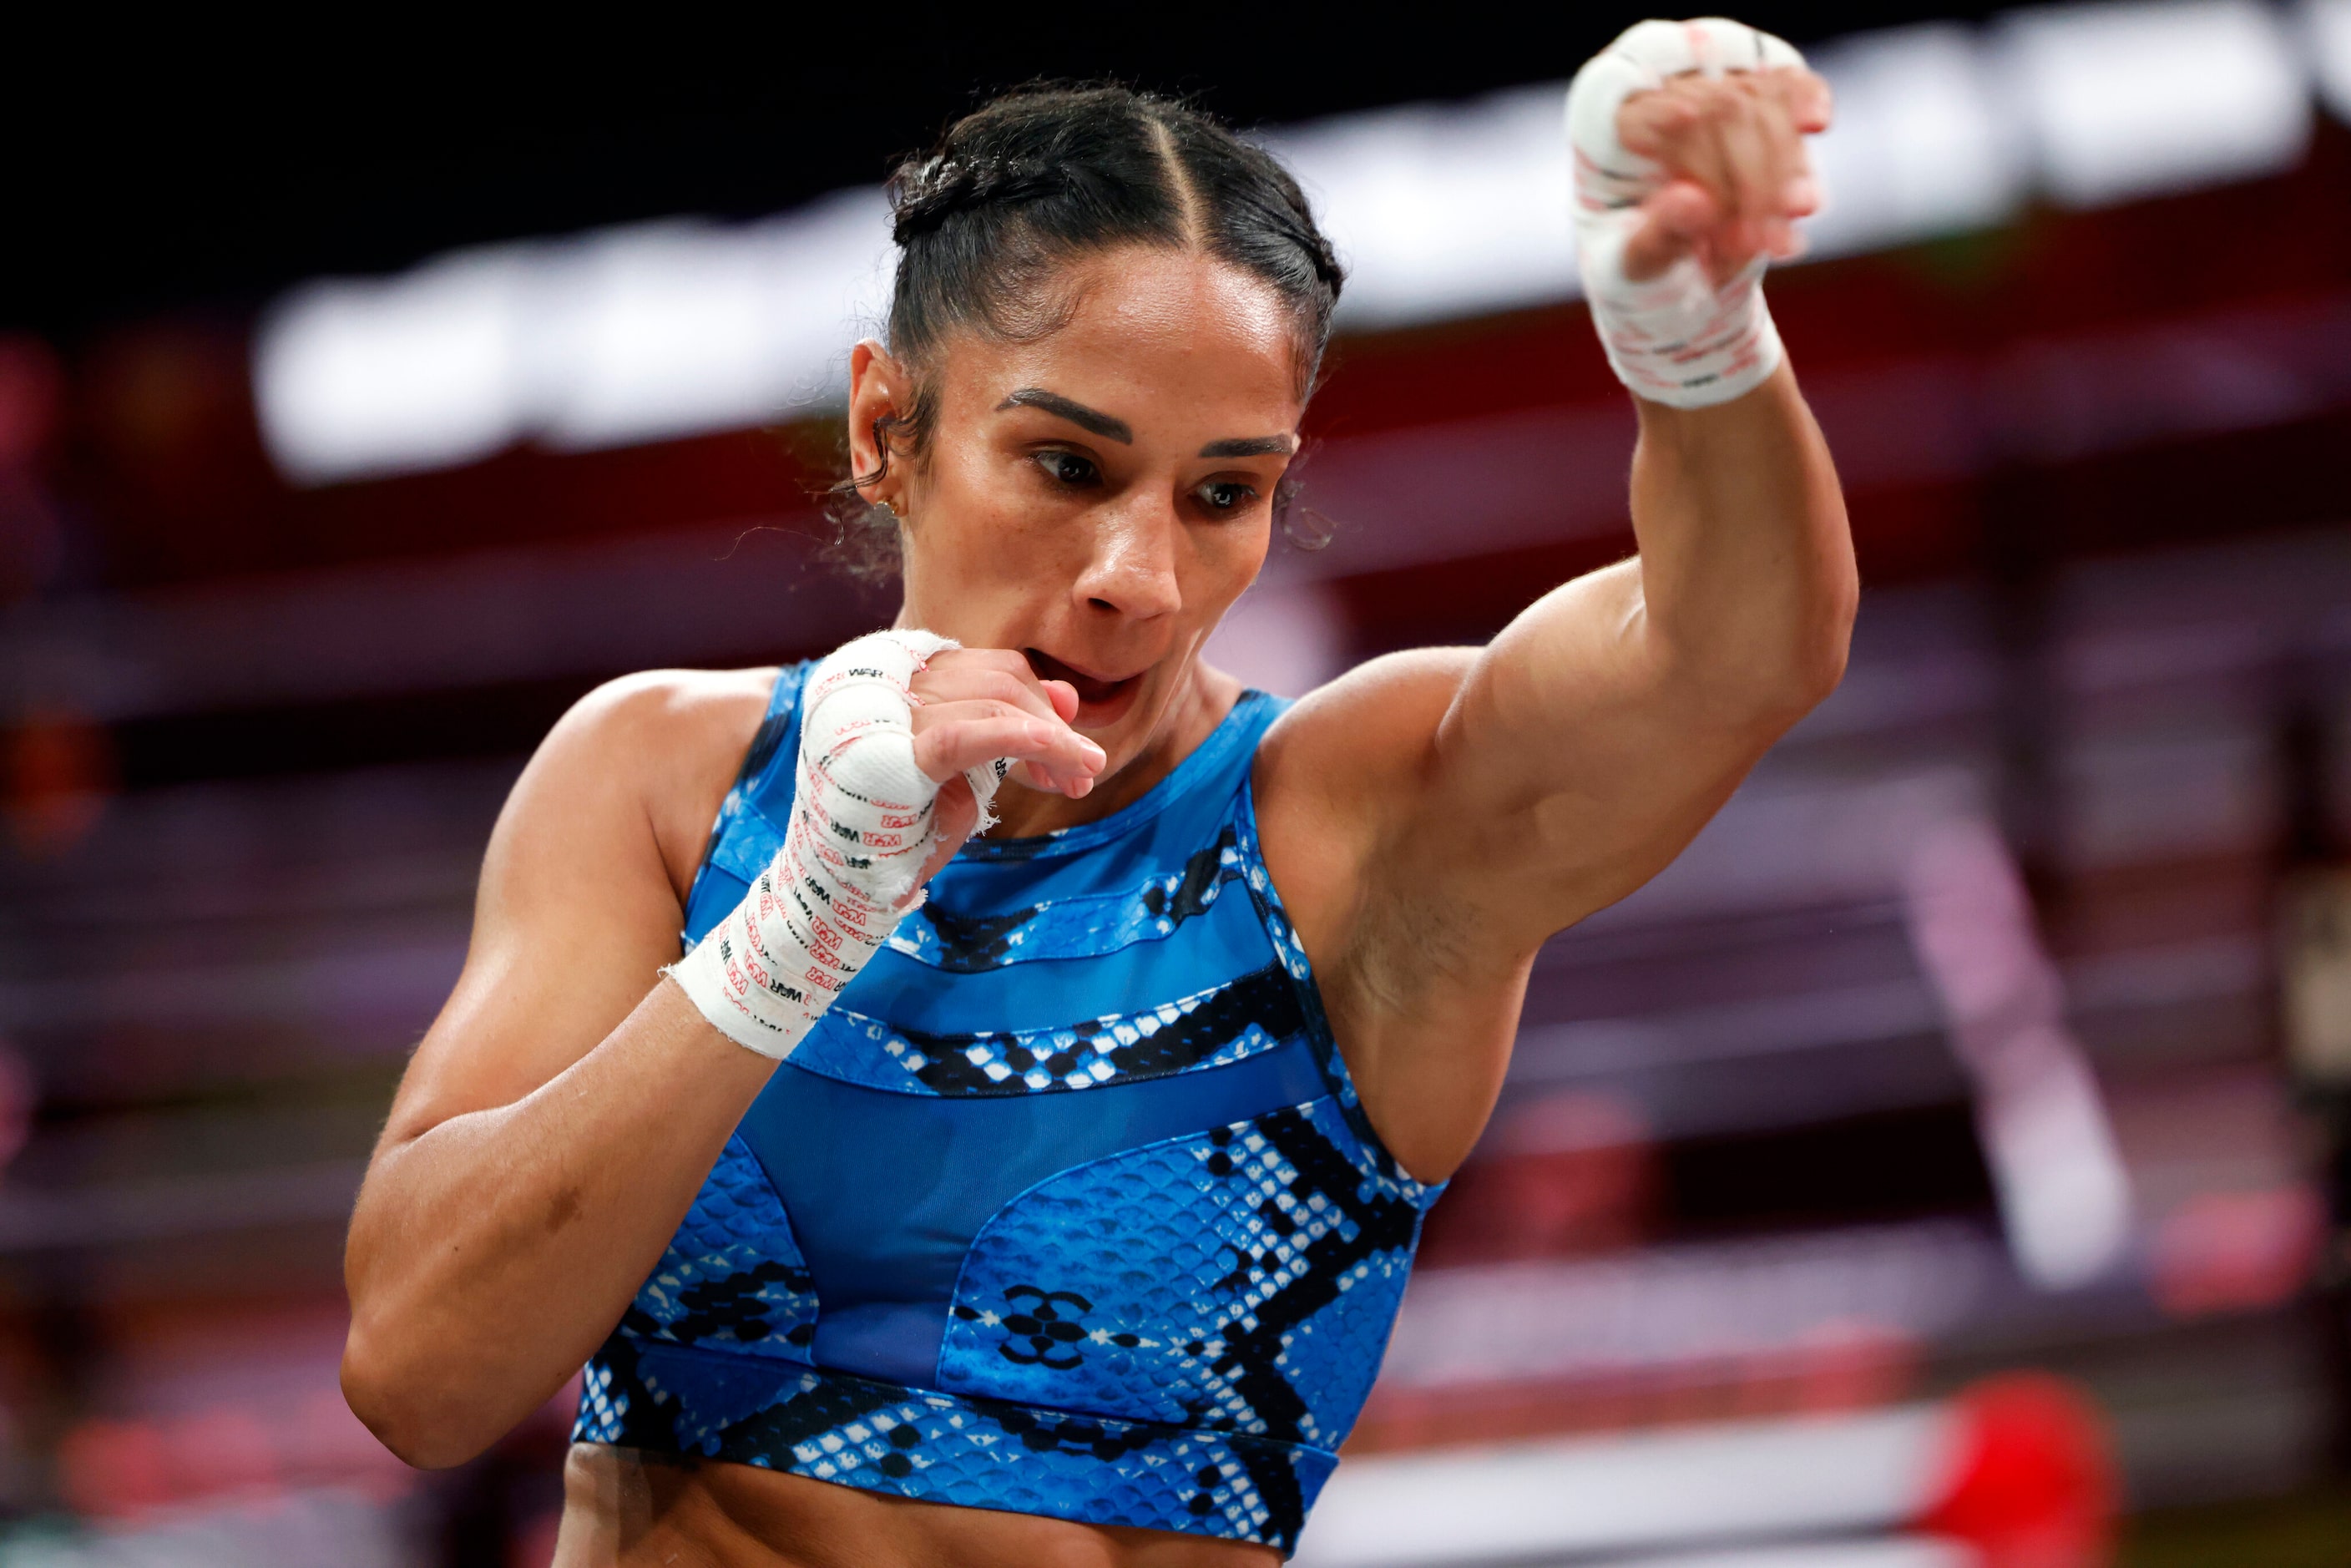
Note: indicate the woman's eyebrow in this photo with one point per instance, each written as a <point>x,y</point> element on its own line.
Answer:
<point>1249,446</point>
<point>1077,414</point>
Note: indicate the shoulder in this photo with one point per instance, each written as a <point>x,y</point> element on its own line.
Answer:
<point>583,885</point>
<point>1340,773</point>
<point>1367,733</point>
<point>659,748</point>
<point>666,708</point>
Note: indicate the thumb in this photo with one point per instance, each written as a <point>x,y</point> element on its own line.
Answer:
<point>1673,221</point>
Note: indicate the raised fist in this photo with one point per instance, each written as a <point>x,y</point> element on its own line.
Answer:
<point>1733,177</point>
<point>1687,141</point>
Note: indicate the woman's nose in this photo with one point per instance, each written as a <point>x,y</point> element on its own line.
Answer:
<point>1132,568</point>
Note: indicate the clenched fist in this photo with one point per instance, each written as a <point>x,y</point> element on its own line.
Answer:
<point>1736,177</point>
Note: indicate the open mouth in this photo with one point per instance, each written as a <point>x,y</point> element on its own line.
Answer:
<point>1099,701</point>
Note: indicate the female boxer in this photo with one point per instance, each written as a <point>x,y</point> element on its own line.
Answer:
<point>1018,1158</point>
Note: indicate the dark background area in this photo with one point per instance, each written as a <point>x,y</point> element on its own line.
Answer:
<point>213,170</point>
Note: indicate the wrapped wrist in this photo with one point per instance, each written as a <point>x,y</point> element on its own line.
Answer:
<point>863,825</point>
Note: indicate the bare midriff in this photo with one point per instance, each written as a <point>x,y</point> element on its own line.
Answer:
<point>624,1506</point>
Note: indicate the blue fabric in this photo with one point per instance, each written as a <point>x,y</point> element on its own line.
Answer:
<point>1248,1233</point>
<point>1225,940</point>
<point>1224,1022</point>
<point>941,1447</point>
<point>895,1239</point>
<point>734,1270</point>
<point>1068,1206</point>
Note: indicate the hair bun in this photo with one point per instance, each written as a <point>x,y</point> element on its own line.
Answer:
<point>924,194</point>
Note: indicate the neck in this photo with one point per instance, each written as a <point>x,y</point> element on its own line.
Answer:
<point>1201,702</point>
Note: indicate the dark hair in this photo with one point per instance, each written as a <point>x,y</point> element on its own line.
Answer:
<point>1033,179</point>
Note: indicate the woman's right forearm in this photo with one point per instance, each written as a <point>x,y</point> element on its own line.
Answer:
<point>490,1254</point>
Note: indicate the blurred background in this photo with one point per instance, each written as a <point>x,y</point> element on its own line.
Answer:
<point>1944,1164</point>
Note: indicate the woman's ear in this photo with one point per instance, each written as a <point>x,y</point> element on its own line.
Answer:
<point>879,395</point>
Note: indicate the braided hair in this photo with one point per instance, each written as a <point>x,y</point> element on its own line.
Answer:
<point>1031,181</point>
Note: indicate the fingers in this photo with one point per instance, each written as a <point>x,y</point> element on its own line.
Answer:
<point>990,675</point>
<point>1758,151</point>
<point>1811,105</point>
<point>953,735</point>
<point>965,686</point>
<point>990,696</point>
<point>1804,110</point>
<point>1745,151</point>
<point>1739,140</point>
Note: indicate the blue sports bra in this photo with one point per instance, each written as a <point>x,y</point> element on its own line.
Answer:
<point>1066,1207</point>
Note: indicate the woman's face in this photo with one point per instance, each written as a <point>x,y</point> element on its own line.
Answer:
<point>1097,498</point>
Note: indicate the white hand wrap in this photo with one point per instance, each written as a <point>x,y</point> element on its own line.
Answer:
<point>1674,339</point>
<point>863,825</point>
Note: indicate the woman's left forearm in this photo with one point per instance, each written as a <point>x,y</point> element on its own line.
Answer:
<point>1747,566</point>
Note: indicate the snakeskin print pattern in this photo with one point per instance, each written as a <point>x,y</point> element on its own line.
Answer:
<point>1193,1281</point>
<point>1082,927</point>
<point>733,1271</point>
<point>939,1448</point>
<point>1252,1013</point>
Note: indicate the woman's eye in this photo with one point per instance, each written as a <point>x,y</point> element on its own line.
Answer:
<point>1225,495</point>
<point>1068,468</point>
